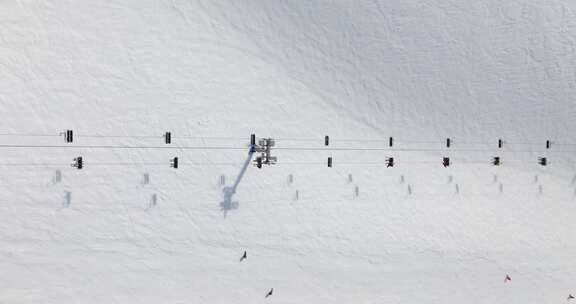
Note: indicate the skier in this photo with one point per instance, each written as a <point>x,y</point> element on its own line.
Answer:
<point>244,256</point>
<point>507,279</point>
<point>570,297</point>
<point>269,293</point>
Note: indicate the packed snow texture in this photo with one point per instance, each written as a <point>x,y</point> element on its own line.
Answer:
<point>127,228</point>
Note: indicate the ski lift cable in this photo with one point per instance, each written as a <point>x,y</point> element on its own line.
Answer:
<point>391,150</point>
<point>120,136</point>
<point>447,150</point>
<point>160,136</point>
<point>123,147</point>
<point>382,163</point>
<point>399,141</point>
<point>117,164</point>
<point>29,135</point>
<point>319,139</point>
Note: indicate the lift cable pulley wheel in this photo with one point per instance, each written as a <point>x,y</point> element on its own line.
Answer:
<point>264,150</point>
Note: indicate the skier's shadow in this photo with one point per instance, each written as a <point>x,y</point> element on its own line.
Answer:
<point>227,203</point>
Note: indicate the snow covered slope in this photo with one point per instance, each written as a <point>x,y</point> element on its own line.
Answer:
<point>127,228</point>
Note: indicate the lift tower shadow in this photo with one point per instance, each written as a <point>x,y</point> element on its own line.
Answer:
<point>227,203</point>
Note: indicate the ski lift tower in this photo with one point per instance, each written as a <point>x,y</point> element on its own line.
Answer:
<point>264,147</point>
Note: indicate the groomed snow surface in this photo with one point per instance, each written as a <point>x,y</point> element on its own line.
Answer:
<point>127,228</point>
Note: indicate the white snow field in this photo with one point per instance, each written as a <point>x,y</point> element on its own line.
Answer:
<point>127,228</point>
